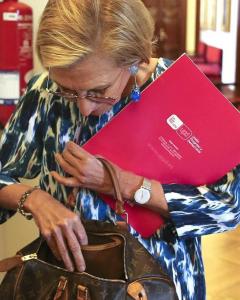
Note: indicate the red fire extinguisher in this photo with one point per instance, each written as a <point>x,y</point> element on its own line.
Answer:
<point>16,53</point>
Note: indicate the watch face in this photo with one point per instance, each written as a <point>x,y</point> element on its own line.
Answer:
<point>142,196</point>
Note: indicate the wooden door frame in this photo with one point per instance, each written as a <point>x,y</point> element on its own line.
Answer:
<point>238,51</point>
<point>197,28</point>
<point>184,25</point>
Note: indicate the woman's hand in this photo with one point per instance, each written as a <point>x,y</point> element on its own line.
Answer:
<point>61,228</point>
<point>85,170</point>
<point>88,172</point>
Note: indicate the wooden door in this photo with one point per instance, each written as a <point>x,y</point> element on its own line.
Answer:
<point>238,53</point>
<point>170,26</point>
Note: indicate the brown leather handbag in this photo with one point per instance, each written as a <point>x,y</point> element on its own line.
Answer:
<point>118,267</point>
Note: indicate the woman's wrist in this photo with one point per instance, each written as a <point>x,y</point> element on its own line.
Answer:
<point>21,203</point>
<point>158,201</point>
<point>25,203</point>
<point>129,183</point>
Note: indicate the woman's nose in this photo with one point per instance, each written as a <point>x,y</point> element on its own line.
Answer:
<point>85,106</point>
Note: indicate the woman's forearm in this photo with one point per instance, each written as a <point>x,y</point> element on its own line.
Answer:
<point>11,194</point>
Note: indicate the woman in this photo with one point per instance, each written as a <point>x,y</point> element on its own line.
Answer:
<point>96,52</point>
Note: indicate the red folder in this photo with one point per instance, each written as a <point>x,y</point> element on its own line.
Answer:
<point>183,130</point>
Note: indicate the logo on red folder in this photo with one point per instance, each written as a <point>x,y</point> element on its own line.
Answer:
<point>181,129</point>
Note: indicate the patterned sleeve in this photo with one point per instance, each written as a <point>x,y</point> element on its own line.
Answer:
<point>206,209</point>
<point>21,141</point>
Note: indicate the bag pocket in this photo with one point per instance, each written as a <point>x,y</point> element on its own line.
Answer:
<point>104,256</point>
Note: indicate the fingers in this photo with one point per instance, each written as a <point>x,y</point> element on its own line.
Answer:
<point>67,181</point>
<point>63,250</point>
<point>85,170</point>
<point>52,245</point>
<point>66,246</point>
<point>75,249</point>
<point>81,233</point>
<point>65,239</point>
<point>74,154</point>
<point>71,159</point>
<point>79,169</point>
<point>63,231</point>
<point>68,166</point>
<point>76,150</point>
<point>75,167</point>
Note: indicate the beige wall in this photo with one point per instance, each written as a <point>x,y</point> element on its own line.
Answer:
<point>16,232</point>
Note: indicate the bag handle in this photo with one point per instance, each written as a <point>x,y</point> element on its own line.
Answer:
<point>10,263</point>
<point>119,207</point>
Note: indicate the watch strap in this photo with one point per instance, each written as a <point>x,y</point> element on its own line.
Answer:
<point>147,184</point>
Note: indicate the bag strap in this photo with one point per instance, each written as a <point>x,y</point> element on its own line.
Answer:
<point>10,263</point>
<point>119,207</point>
<point>27,253</point>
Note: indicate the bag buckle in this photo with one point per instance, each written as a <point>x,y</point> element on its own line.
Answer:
<point>83,293</point>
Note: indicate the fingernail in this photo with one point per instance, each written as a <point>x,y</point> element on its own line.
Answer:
<point>71,269</point>
<point>82,268</point>
<point>71,144</point>
<point>56,157</point>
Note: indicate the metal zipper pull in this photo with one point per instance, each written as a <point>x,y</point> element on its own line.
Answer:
<point>29,257</point>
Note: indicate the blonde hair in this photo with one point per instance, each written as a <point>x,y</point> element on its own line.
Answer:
<point>70,30</point>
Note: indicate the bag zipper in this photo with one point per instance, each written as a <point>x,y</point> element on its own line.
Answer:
<point>29,257</point>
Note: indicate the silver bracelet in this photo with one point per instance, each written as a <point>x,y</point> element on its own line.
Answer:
<point>22,200</point>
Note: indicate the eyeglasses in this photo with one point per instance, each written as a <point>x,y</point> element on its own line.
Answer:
<point>91,96</point>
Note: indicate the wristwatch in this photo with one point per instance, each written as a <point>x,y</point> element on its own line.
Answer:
<point>143,194</point>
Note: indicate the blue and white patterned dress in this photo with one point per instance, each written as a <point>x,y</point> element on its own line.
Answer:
<point>41,126</point>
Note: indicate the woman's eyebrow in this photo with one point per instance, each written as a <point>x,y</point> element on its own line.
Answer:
<point>100,87</point>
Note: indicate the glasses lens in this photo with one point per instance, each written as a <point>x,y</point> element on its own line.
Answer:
<point>73,98</point>
<point>106,100</point>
